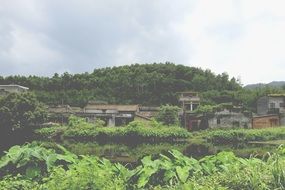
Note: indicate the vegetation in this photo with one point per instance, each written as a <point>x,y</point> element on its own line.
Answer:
<point>19,114</point>
<point>146,84</point>
<point>171,170</point>
<point>134,132</point>
<point>32,160</point>
<point>20,111</point>
<point>244,135</point>
<point>168,115</point>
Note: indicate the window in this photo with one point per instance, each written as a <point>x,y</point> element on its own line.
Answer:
<point>282,105</point>
<point>236,124</point>
<point>218,121</point>
<point>272,105</point>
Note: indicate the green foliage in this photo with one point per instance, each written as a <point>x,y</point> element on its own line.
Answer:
<point>146,84</point>
<point>18,111</point>
<point>168,115</point>
<point>171,170</point>
<point>50,132</point>
<point>135,131</point>
<point>245,135</point>
<point>88,173</point>
<point>18,182</point>
<point>205,109</point>
<point>32,160</point>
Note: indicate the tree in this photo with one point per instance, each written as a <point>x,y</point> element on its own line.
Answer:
<point>20,111</point>
<point>168,115</point>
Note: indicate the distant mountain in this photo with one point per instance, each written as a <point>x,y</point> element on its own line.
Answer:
<point>276,84</point>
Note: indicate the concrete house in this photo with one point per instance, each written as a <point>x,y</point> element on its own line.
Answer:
<point>61,113</point>
<point>271,104</point>
<point>270,111</point>
<point>12,88</point>
<point>230,118</point>
<point>147,112</point>
<point>189,100</point>
<point>113,115</point>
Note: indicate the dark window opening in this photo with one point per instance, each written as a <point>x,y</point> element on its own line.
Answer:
<point>236,124</point>
<point>272,105</point>
<point>218,121</point>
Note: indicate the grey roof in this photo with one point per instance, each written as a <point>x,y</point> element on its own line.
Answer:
<point>112,107</point>
<point>14,85</point>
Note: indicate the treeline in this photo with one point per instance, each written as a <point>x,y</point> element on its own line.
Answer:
<point>146,84</point>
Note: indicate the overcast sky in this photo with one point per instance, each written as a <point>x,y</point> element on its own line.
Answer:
<point>245,38</point>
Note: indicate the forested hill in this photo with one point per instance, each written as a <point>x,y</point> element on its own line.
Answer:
<point>147,84</point>
<point>273,84</point>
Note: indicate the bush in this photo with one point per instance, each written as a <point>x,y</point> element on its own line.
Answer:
<point>135,131</point>
<point>245,135</point>
<point>168,115</point>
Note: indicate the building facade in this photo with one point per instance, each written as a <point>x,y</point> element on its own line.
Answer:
<point>230,119</point>
<point>189,100</point>
<point>272,105</point>
<point>265,121</point>
<point>112,115</point>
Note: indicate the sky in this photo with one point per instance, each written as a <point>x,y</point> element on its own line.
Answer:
<point>245,38</point>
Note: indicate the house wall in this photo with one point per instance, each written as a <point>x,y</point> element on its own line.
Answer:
<point>265,121</point>
<point>262,105</point>
<point>228,119</point>
<point>277,101</point>
<point>282,119</point>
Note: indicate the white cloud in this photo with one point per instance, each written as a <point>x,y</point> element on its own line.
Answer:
<point>242,37</point>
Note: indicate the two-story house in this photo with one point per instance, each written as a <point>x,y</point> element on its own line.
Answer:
<point>189,100</point>
<point>271,104</point>
<point>270,111</point>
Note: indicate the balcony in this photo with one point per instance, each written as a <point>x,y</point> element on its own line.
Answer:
<point>273,111</point>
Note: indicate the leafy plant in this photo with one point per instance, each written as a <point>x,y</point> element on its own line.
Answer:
<point>33,161</point>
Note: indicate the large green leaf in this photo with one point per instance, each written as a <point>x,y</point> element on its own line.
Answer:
<point>33,171</point>
<point>182,173</point>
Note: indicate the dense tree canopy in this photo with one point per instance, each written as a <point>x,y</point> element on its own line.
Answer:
<point>19,111</point>
<point>147,84</point>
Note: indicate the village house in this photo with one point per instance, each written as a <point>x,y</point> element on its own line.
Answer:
<point>234,117</point>
<point>270,111</point>
<point>189,100</point>
<point>227,117</point>
<point>61,113</point>
<point>147,112</point>
<point>271,104</point>
<point>113,115</point>
<point>12,88</point>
